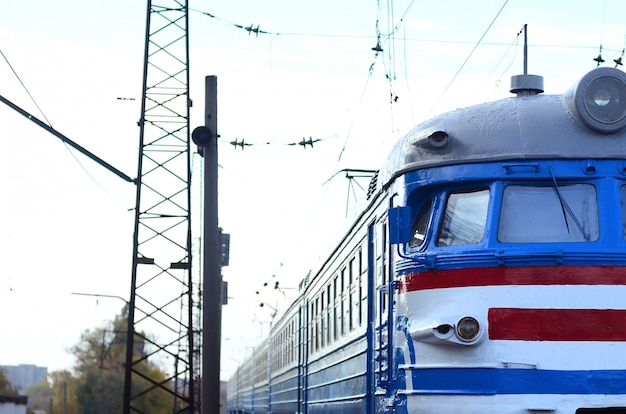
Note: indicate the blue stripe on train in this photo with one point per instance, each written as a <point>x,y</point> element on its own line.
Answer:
<point>490,381</point>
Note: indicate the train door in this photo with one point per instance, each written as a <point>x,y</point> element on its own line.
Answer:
<point>385,309</point>
<point>371,318</point>
<point>303,356</point>
<point>380,310</point>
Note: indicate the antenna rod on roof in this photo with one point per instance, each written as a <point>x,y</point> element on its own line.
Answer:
<point>525,49</point>
<point>526,84</point>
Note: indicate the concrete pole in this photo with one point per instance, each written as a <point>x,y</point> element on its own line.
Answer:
<point>206,139</point>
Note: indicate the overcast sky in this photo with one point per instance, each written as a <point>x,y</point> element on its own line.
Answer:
<point>66,224</point>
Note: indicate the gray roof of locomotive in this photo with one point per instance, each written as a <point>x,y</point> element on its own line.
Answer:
<point>527,126</point>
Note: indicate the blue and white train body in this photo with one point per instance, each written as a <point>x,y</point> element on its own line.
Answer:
<point>486,272</point>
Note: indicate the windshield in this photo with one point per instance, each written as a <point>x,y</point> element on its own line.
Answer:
<point>548,214</point>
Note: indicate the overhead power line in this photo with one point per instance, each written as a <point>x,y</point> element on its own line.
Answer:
<point>256,30</point>
<point>304,143</point>
<point>250,28</point>
<point>469,56</point>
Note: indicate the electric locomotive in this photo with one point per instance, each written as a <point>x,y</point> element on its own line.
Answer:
<point>485,272</point>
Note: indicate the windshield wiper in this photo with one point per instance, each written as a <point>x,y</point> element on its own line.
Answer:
<point>567,209</point>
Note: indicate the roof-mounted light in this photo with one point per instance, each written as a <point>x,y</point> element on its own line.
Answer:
<point>434,138</point>
<point>598,100</point>
<point>438,139</point>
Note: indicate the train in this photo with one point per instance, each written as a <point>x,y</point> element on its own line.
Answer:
<point>485,271</point>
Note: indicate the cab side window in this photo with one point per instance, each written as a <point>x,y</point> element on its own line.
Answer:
<point>465,218</point>
<point>420,225</point>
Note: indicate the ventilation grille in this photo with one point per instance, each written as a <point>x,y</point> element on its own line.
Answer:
<point>372,187</point>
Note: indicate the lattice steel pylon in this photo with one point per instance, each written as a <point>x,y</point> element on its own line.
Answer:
<point>161,314</point>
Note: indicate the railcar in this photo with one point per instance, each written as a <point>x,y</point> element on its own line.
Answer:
<point>485,272</point>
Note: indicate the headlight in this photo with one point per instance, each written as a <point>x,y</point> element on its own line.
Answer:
<point>448,330</point>
<point>598,100</point>
<point>468,329</point>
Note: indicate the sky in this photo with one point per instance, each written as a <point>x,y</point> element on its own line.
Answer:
<point>66,223</point>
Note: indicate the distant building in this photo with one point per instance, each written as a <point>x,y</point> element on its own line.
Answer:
<point>24,375</point>
<point>13,404</point>
<point>223,388</point>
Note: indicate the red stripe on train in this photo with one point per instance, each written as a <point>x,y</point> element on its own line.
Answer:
<point>557,324</point>
<point>505,276</point>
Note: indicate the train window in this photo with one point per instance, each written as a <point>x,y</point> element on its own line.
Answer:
<point>317,324</point>
<point>362,288</point>
<point>312,329</point>
<point>623,197</point>
<point>336,313</point>
<point>465,218</point>
<point>328,314</point>
<point>343,299</point>
<point>549,214</point>
<point>351,292</point>
<point>322,321</point>
<point>293,340</point>
<point>420,226</point>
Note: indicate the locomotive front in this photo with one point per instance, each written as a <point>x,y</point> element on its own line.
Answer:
<point>509,239</point>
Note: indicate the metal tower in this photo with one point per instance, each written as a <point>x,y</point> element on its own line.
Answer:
<point>163,307</point>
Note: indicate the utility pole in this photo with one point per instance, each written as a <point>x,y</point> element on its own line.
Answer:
<point>206,139</point>
<point>162,280</point>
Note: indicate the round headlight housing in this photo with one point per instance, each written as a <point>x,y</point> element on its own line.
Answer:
<point>605,100</point>
<point>467,329</point>
<point>598,100</point>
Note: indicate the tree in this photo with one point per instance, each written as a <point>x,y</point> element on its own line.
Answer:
<point>101,358</point>
<point>40,395</point>
<point>64,386</point>
<point>6,388</point>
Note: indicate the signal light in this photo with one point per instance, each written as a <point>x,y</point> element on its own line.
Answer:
<point>202,136</point>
